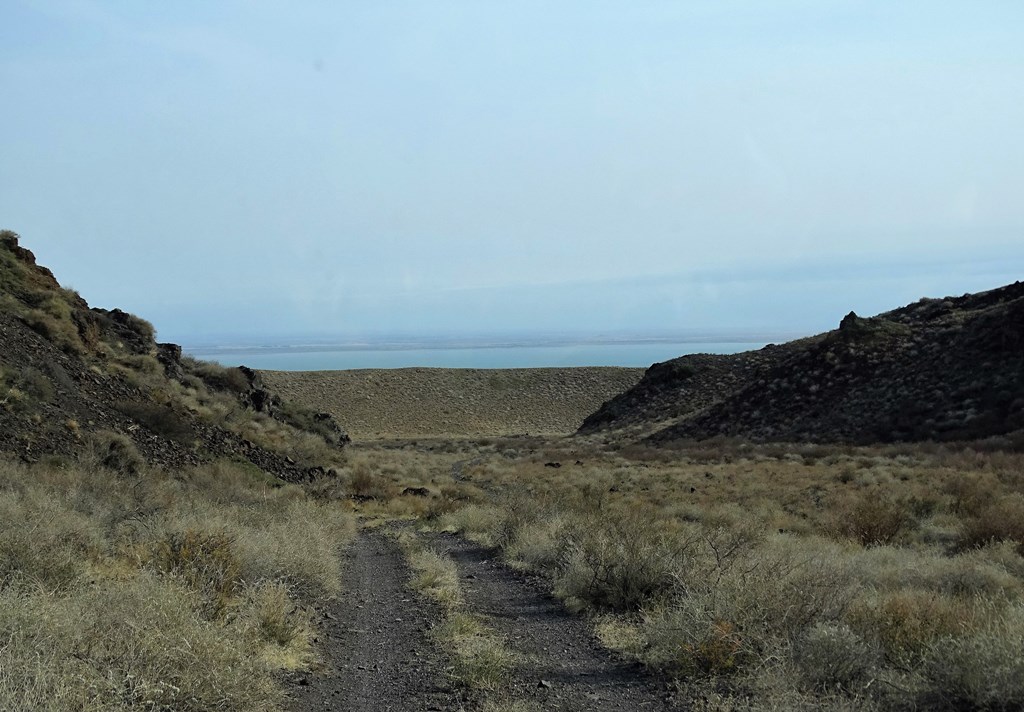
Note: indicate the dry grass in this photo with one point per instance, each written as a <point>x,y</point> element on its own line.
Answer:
<point>378,404</point>
<point>481,661</point>
<point>780,577</point>
<point>125,589</point>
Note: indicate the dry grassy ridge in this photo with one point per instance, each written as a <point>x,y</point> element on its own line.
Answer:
<point>434,402</point>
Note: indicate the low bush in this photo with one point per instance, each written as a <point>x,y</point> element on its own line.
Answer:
<point>831,656</point>
<point>1002,520</point>
<point>872,519</point>
<point>622,562</point>
<point>980,670</point>
<point>906,623</point>
<point>205,562</point>
<point>131,589</point>
<point>112,451</point>
<point>133,644</point>
<point>159,419</point>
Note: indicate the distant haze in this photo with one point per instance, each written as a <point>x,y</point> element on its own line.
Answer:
<point>266,169</point>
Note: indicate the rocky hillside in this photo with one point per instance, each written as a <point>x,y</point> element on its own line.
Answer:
<point>683,386</point>
<point>76,379</point>
<point>455,402</point>
<point>938,369</point>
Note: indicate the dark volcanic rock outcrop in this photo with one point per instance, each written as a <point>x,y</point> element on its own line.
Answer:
<point>68,372</point>
<point>685,385</point>
<point>938,369</point>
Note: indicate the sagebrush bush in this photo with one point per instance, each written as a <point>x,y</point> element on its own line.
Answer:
<point>907,622</point>
<point>481,661</point>
<point>829,656</point>
<point>478,522</point>
<point>205,561</point>
<point>112,451</point>
<point>540,545</point>
<point>434,575</point>
<point>43,543</point>
<point>622,562</point>
<point>741,611</point>
<point>1002,520</point>
<point>132,644</point>
<point>980,670</point>
<point>160,419</point>
<point>873,520</point>
<point>276,616</point>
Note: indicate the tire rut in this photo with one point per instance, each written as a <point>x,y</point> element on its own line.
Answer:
<point>377,655</point>
<point>562,664</point>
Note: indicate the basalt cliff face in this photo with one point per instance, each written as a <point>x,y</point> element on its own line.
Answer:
<point>938,369</point>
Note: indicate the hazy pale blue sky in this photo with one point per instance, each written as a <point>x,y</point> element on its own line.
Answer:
<point>245,168</point>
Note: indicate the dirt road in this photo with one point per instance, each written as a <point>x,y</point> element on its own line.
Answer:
<point>381,659</point>
<point>378,655</point>
<point>562,665</point>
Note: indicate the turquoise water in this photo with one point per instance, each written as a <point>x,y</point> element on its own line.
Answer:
<point>619,354</point>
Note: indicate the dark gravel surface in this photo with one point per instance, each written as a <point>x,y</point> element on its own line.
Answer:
<point>562,665</point>
<point>378,656</point>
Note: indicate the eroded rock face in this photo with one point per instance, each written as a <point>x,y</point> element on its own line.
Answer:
<point>169,356</point>
<point>258,397</point>
<point>332,432</point>
<point>135,335</point>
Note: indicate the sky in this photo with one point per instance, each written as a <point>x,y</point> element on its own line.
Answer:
<point>263,170</point>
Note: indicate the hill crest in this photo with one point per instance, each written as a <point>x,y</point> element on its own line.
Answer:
<point>937,369</point>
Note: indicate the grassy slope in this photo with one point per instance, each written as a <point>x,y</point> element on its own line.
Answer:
<point>419,402</point>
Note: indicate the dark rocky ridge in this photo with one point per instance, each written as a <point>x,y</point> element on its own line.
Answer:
<point>68,371</point>
<point>938,369</point>
<point>680,387</point>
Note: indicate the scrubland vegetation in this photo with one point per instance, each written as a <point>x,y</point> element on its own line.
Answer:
<point>123,587</point>
<point>778,577</point>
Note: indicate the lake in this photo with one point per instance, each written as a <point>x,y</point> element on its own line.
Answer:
<point>525,356</point>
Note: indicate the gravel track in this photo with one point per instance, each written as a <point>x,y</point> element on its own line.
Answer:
<point>562,666</point>
<point>378,656</point>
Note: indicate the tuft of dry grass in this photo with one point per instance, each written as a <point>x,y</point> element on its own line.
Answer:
<point>480,658</point>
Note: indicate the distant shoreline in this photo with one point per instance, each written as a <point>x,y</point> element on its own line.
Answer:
<point>576,355</point>
<point>480,343</point>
